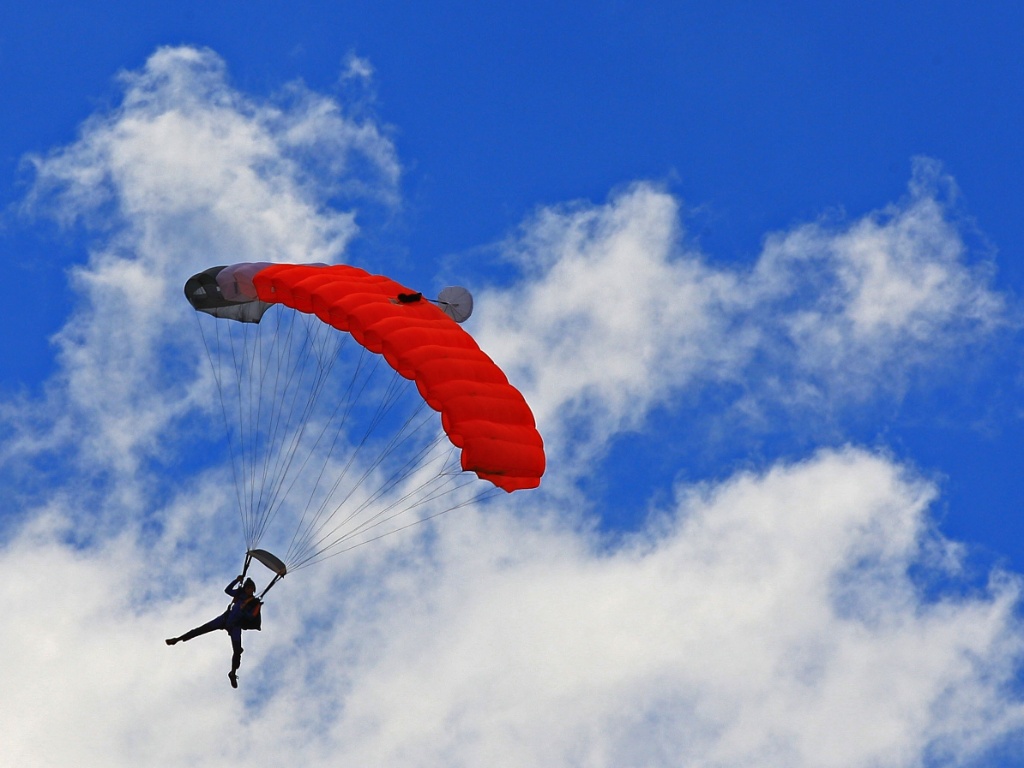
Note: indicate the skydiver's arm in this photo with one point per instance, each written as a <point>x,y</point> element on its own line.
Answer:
<point>231,589</point>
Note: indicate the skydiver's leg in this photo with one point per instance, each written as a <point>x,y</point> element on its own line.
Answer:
<point>218,623</point>
<point>236,656</point>
<point>236,647</point>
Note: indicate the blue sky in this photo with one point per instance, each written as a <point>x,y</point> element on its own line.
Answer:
<point>756,269</point>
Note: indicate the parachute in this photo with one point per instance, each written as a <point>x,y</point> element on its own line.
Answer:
<point>328,378</point>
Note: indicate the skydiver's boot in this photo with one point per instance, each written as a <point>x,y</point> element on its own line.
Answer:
<point>172,640</point>
<point>233,678</point>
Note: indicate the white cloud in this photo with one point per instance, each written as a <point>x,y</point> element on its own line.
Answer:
<point>185,173</point>
<point>865,305</point>
<point>613,317</point>
<point>771,622</point>
<point>357,68</point>
<point>617,314</point>
<point>764,619</point>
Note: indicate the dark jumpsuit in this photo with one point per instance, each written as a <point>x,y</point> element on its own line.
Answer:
<point>229,621</point>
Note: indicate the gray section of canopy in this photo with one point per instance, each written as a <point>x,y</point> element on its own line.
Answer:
<point>250,312</point>
<point>227,292</point>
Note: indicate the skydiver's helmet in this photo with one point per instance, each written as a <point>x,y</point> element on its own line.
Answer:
<point>249,585</point>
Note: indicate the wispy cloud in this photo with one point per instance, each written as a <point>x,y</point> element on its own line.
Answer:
<point>864,305</point>
<point>617,314</point>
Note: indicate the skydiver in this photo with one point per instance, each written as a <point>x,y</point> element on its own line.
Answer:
<point>240,615</point>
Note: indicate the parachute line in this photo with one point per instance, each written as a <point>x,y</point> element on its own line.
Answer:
<point>477,499</point>
<point>284,438</point>
<point>217,376</point>
<point>329,391</point>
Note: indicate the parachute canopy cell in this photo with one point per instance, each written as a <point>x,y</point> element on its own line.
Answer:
<point>481,412</point>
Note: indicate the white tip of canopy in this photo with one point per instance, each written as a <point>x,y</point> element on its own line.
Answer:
<point>456,302</point>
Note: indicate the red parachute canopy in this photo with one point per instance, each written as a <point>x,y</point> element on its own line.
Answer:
<point>482,414</point>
